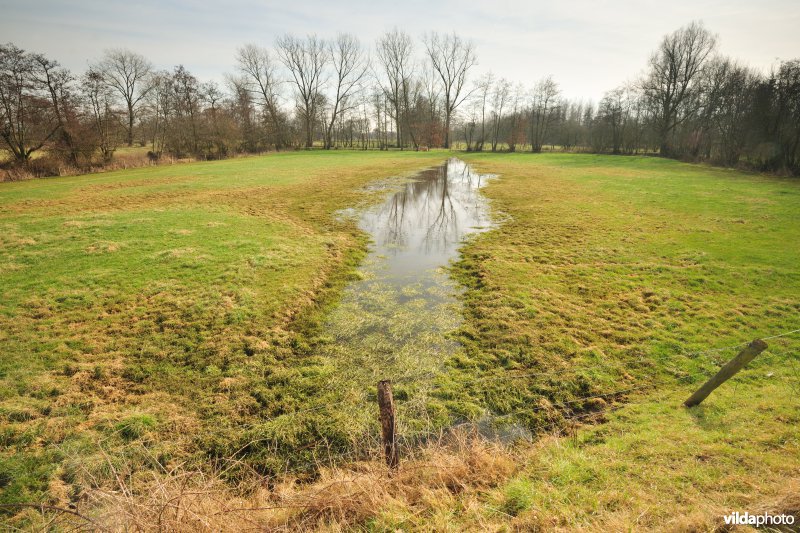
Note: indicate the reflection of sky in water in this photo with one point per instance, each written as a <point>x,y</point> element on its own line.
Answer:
<point>394,323</point>
<point>420,227</point>
<point>396,319</point>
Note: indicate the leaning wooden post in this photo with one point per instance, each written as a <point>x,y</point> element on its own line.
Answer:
<point>386,404</point>
<point>726,372</point>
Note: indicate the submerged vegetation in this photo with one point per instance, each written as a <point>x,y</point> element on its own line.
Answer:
<point>172,320</point>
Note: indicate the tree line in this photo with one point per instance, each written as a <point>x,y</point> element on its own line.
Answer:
<point>690,103</point>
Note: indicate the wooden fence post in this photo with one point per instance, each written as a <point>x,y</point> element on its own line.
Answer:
<point>388,426</point>
<point>726,372</point>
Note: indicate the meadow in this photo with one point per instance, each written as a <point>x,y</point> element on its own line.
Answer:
<point>631,272</point>
<point>163,303</point>
<point>174,315</point>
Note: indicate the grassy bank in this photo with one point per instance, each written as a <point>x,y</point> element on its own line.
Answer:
<point>161,306</point>
<point>619,269</point>
<point>625,273</point>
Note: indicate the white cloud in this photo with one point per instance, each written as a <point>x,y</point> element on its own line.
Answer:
<point>587,46</point>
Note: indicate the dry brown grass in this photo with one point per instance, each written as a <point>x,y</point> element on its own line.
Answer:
<point>452,473</point>
<point>449,485</point>
<point>48,166</point>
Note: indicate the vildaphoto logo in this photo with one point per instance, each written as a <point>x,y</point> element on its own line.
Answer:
<point>747,519</point>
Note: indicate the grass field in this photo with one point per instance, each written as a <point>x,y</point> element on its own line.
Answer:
<point>616,272</point>
<point>175,306</point>
<point>160,304</point>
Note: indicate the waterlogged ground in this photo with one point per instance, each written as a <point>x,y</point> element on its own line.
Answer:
<point>396,321</point>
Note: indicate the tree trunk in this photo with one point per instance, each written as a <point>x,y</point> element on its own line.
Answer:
<point>447,130</point>
<point>130,124</point>
<point>388,424</point>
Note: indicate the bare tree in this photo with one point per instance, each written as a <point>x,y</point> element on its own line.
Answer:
<point>483,87</point>
<point>27,121</point>
<point>451,58</point>
<point>395,50</point>
<point>516,128</point>
<point>784,114</point>
<point>56,81</point>
<point>184,96</point>
<point>350,65</point>
<point>470,124</point>
<point>260,71</point>
<point>127,72</point>
<point>729,107</point>
<point>157,100</point>
<point>244,112</point>
<point>219,136</point>
<point>544,100</point>
<point>433,99</point>
<point>100,101</point>
<point>672,83</point>
<point>306,61</point>
<point>613,112</point>
<point>500,96</point>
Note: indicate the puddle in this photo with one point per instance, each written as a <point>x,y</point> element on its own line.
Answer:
<point>421,227</point>
<point>395,321</point>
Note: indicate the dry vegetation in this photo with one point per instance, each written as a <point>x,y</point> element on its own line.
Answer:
<point>441,485</point>
<point>49,165</point>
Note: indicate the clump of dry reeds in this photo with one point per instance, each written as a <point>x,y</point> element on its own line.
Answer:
<point>50,166</point>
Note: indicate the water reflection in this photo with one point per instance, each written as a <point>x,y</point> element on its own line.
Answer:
<point>396,319</point>
<point>421,227</point>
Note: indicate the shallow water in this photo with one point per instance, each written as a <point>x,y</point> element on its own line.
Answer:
<point>395,321</point>
<point>421,227</point>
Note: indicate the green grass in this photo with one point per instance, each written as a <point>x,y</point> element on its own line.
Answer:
<point>655,464</point>
<point>167,303</point>
<point>612,272</point>
<point>182,307</point>
<point>610,269</point>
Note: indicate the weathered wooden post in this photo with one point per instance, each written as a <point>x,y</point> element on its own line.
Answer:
<point>726,372</point>
<point>388,426</point>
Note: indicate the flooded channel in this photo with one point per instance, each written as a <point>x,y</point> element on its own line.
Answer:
<point>396,320</point>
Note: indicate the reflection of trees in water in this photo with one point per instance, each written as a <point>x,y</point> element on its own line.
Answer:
<point>441,214</point>
<point>426,208</point>
<point>471,179</point>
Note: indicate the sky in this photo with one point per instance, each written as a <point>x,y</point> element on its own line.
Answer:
<point>588,47</point>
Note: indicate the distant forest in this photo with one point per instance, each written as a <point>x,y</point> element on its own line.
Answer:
<point>690,103</point>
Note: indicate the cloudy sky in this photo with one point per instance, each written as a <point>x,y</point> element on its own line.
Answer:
<point>587,46</point>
